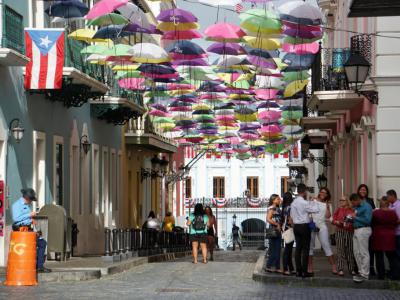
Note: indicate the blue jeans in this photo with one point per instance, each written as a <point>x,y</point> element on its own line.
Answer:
<point>40,252</point>
<point>274,258</point>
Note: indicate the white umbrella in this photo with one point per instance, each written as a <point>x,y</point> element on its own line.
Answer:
<point>135,15</point>
<point>230,60</point>
<point>221,2</point>
<point>149,53</point>
<point>96,57</point>
<point>63,20</point>
<point>268,82</point>
<point>300,12</point>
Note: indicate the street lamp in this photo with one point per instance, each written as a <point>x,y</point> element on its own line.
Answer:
<point>322,181</point>
<point>357,70</point>
<point>85,144</point>
<point>298,179</point>
<point>16,130</point>
<point>164,165</point>
<point>234,218</point>
<point>305,144</point>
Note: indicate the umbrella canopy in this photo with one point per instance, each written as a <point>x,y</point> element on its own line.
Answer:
<point>149,53</point>
<point>226,48</point>
<point>298,62</point>
<point>221,2</point>
<point>176,15</point>
<point>136,28</point>
<point>294,87</point>
<point>108,19</point>
<point>300,12</point>
<point>85,35</point>
<point>190,62</point>
<point>168,26</point>
<point>262,43</point>
<point>224,32</point>
<point>104,7</point>
<point>156,69</point>
<point>111,32</point>
<point>135,15</point>
<point>118,50</point>
<point>181,35</point>
<point>67,9</point>
<point>94,49</point>
<point>260,20</point>
<point>185,48</point>
<point>301,49</point>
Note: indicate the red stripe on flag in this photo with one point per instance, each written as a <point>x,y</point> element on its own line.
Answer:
<point>43,71</point>
<point>28,67</point>
<point>276,155</point>
<point>286,155</point>
<point>60,62</point>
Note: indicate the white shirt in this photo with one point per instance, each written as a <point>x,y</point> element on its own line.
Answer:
<point>300,210</point>
<point>320,217</point>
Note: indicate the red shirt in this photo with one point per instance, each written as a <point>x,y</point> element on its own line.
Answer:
<point>384,223</point>
<point>339,216</point>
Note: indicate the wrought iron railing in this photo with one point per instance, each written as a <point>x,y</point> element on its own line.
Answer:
<point>236,202</point>
<point>13,30</point>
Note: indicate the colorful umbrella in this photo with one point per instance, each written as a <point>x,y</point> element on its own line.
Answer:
<point>221,2</point>
<point>104,7</point>
<point>226,48</point>
<point>135,14</point>
<point>261,43</point>
<point>108,19</point>
<point>149,53</point>
<point>67,9</point>
<point>181,35</point>
<point>300,12</point>
<point>260,20</point>
<point>176,15</point>
<point>224,32</point>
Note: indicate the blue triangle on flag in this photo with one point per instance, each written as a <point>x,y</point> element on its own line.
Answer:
<point>44,39</point>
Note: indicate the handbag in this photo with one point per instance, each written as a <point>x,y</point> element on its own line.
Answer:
<point>271,233</point>
<point>288,236</point>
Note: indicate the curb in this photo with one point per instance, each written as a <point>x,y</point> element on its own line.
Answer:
<point>260,276</point>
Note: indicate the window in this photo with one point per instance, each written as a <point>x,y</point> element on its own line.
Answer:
<point>13,31</point>
<point>188,187</point>
<point>94,204</point>
<point>252,186</point>
<point>219,187</point>
<point>58,170</point>
<point>284,184</point>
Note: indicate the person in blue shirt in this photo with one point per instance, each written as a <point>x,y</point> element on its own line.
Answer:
<point>22,215</point>
<point>362,218</point>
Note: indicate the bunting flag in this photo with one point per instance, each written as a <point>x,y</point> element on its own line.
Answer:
<point>255,202</point>
<point>189,202</point>
<point>239,8</point>
<point>45,49</point>
<point>220,202</point>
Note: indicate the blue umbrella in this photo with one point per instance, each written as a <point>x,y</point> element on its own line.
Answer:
<point>298,62</point>
<point>111,32</point>
<point>262,53</point>
<point>156,69</point>
<point>67,9</point>
<point>185,47</point>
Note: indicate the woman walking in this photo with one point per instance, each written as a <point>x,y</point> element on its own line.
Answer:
<point>344,236</point>
<point>274,219</point>
<point>322,232</point>
<point>212,229</point>
<point>198,222</point>
<point>288,268</point>
<point>383,238</point>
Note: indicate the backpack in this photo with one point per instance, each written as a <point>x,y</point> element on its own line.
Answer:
<point>198,223</point>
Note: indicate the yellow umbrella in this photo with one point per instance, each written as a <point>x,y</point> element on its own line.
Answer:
<point>262,43</point>
<point>169,26</point>
<point>294,87</point>
<point>125,67</point>
<point>256,143</point>
<point>85,35</point>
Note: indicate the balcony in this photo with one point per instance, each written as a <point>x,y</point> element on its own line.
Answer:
<point>373,8</point>
<point>118,107</point>
<point>143,134</point>
<point>12,40</point>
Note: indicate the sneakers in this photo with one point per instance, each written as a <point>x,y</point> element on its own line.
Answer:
<point>359,278</point>
<point>44,270</point>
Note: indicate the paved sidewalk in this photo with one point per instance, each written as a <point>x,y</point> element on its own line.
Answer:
<point>228,277</point>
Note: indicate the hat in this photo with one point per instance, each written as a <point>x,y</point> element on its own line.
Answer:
<point>29,193</point>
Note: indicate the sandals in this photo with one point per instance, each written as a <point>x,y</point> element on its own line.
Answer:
<point>205,262</point>
<point>269,270</point>
<point>340,273</point>
<point>286,273</point>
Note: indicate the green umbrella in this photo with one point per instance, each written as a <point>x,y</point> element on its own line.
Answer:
<point>299,40</point>
<point>159,120</point>
<point>94,49</point>
<point>260,20</point>
<point>241,84</point>
<point>108,19</point>
<point>118,50</point>
<point>128,74</point>
<point>293,76</point>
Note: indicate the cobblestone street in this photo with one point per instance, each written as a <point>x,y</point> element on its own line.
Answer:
<point>229,277</point>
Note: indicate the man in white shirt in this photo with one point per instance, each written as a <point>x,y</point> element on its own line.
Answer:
<point>300,211</point>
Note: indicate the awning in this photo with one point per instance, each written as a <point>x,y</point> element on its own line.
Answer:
<point>334,100</point>
<point>374,8</point>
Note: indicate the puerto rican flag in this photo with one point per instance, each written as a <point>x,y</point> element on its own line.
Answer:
<point>45,48</point>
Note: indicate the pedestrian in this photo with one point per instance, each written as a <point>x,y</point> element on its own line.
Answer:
<point>320,218</point>
<point>152,222</point>
<point>287,259</point>
<point>236,236</point>
<point>344,236</point>
<point>384,223</point>
<point>274,219</point>
<point>151,229</point>
<point>169,222</point>
<point>198,222</point>
<point>22,215</point>
<point>395,205</point>
<point>363,193</point>
<point>211,230</point>
<point>361,217</point>
<point>300,214</point>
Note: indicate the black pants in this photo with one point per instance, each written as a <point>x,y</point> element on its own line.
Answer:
<point>302,236</point>
<point>235,240</point>
<point>380,264</point>
<point>287,257</point>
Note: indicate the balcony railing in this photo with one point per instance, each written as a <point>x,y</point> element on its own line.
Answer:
<point>13,30</point>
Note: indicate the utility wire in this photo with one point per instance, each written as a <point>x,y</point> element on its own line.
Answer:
<point>322,26</point>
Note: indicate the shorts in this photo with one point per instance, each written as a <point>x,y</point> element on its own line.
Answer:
<point>198,237</point>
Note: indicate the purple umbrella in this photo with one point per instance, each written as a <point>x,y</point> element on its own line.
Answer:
<point>268,104</point>
<point>226,48</point>
<point>305,34</point>
<point>176,15</point>
<point>191,62</point>
<point>132,27</point>
<point>261,62</point>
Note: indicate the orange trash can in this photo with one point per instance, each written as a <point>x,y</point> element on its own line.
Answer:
<point>21,266</point>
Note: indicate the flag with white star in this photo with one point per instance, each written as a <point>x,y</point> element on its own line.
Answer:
<point>45,49</point>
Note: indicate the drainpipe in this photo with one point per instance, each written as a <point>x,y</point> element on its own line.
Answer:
<point>1,22</point>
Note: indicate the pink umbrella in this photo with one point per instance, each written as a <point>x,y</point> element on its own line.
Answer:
<point>159,113</point>
<point>179,56</point>
<point>154,75</point>
<point>270,130</point>
<point>269,115</point>
<point>132,83</point>
<point>301,49</point>
<point>266,94</point>
<point>181,35</point>
<point>224,32</point>
<point>179,86</point>
<point>104,7</point>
